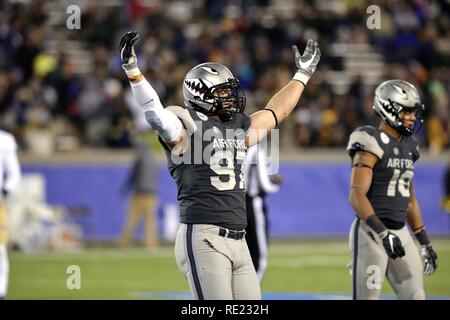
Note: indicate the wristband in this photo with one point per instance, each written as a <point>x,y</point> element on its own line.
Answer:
<point>422,237</point>
<point>375,223</point>
<point>300,76</point>
<point>274,116</point>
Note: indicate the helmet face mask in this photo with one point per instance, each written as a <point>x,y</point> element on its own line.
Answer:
<point>212,89</point>
<point>418,115</point>
<point>393,99</point>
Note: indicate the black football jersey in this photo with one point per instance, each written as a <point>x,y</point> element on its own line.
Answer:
<point>389,193</point>
<point>209,172</point>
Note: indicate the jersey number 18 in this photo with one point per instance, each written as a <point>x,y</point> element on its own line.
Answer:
<point>402,181</point>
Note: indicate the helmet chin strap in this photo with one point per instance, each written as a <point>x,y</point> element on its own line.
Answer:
<point>404,131</point>
<point>225,115</point>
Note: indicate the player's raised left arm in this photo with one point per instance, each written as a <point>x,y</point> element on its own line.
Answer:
<point>282,103</point>
<point>415,221</point>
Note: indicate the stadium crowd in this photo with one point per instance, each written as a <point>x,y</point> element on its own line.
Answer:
<point>46,102</point>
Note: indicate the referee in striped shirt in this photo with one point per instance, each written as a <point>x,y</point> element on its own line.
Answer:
<point>258,184</point>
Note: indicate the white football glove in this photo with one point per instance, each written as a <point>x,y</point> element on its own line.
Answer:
<point>306,63</point>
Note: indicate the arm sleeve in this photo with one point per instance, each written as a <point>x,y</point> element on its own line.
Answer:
<point>163,121</point>
<point>12,169</point>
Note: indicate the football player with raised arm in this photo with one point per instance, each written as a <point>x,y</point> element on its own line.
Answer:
<point>205,143</point>
<point>383,197</point>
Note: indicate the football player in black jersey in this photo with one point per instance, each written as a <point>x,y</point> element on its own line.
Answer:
<point>382,195</point>
<point>205,143</point>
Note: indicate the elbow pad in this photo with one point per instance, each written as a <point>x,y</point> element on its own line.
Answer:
<point>164,122</point>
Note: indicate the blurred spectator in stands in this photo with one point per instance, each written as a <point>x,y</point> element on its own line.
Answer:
<point>69,73</point>
<point>438,114</point>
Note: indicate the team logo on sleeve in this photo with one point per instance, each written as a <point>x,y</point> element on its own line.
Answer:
<point>384,138</point>
<point>358,146</point>
<point>202,116</point>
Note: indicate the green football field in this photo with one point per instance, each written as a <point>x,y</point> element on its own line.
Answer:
<point>302,269</point>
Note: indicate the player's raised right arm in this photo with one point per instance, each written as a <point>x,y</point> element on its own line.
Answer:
<point>284,101</point>
<point>166,123</point>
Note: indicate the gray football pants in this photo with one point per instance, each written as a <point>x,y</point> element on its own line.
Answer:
<point>217,268</point>
<point>370,263</point>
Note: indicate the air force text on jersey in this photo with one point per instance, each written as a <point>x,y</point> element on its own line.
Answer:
<point>397,163</point>
<point>229,143</point>
<point>205,142</point>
